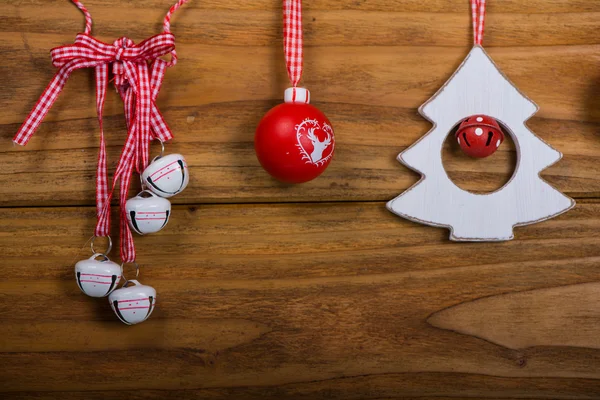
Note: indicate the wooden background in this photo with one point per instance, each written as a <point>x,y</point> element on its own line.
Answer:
<point>315,291</point>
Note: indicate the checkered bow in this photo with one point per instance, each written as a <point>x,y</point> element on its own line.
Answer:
<point>130,69</point>
<point>138,75</point>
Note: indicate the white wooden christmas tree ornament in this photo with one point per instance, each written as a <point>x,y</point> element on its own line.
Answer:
<point>479,88</point>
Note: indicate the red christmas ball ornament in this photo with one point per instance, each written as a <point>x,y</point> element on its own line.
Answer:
<point>479,136</point>
<point>294,141</point>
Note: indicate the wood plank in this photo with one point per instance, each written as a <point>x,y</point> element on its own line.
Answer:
<point>232,72</point>
<point>437,23</point>
<point>58,166</point>
<point>390,76</point>
<point>546,316</point>
<point>302,300</point>
<point>433,6</point>
<point>421,386</point>
<point>305,301</point>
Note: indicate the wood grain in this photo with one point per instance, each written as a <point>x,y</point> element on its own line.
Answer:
<point>541,323</point>
<point>366,65</point>
<point>330,295</point>
<point>306,301</point>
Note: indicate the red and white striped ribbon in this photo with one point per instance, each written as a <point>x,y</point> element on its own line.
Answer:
<point>478,12</point>
<point>138,85</point>
<point>167,28</point>
<point>88,16</point>
<point>292,39</point>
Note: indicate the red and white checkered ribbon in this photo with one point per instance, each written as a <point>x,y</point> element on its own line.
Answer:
<point>478,12</point>
<point>292,39</point>
<point>138,84</point>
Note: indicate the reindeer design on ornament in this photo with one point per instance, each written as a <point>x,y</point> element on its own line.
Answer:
<point>307,134</point>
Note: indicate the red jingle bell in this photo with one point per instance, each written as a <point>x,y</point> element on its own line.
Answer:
<point>479,136</point>
<point>294,141</point>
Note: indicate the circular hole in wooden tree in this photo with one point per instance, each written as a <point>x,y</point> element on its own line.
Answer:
<point>479,175</point>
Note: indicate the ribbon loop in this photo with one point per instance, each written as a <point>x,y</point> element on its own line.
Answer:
<point>119,55</point>
<point>86,13</point>
<point>293,39</point>
<point>478,14</point>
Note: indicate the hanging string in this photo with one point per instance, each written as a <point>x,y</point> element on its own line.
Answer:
<point>478,12</point>
<point>88,16</point>
<point>167,28</point>
<point>138,84</point>
<point>292,39</point>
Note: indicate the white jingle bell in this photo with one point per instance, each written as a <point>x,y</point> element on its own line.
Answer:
<point>166,175</point>
<point>147,214</point>
<point>133,304</point>
<point>97,278</point>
